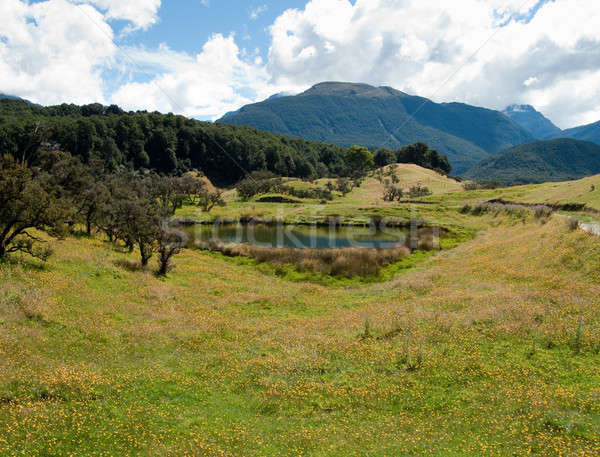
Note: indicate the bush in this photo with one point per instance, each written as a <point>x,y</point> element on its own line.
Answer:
<point>419,191</point>
<point>572,223</point>
<point>392,193</point>
<point>471,185</point>
<point>542,212</point>
<point>466,209</point>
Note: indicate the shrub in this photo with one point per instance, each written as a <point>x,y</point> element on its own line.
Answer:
<point>471,185</point>
<point>392,193</point>
<point>572,223</point>
<point>419,191</point>
<point>344,186</point>
<point>542,212</point>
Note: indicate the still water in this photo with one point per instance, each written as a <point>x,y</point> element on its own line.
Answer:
<point>298,236</point>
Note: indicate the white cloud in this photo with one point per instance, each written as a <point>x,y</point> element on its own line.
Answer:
<point>141,13</point>
<point>256,12</point>
<point>50,52</point>
<point>61,50</point>
<point>207,85</point>
<point>415,45</point>
<point>530,81</point>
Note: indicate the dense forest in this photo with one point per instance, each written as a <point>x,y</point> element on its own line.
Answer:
<point>171,144</point>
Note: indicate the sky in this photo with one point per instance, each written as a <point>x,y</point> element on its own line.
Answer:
<point>203,58</point>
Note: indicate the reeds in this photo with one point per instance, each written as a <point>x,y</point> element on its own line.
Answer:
<point>347,262</point>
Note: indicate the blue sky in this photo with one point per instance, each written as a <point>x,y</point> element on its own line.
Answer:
<point>204,58</point>
<point>187,24</point>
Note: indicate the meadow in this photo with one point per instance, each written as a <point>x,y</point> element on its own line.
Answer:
<point>489,347</point>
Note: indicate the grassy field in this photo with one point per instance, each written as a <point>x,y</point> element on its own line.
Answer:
<point>491,348</point>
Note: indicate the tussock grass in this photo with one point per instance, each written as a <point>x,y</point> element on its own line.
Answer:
<point>508,209</point>
<point>347,262</point>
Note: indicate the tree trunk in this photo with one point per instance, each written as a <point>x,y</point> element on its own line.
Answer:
<point>145,254</point>
<point>163,266</point>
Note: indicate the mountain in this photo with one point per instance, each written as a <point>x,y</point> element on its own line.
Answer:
<point>12,97</point>
<point>532,120</point>
<point>348,113</point>
<point>590,132</point>
<point>552,160</point>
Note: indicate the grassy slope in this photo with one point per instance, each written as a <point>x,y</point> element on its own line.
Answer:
<point>473,352</point>
<point>579,191</point>
<point>220,359</point>
<point>358,205</point>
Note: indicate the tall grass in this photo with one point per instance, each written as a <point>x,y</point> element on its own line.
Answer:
<point>347,262</point>
<point>509,209</point>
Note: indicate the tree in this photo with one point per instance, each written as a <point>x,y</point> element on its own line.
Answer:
<point>358,161</point>
<point>384,157</point>
<point>171,242</point>
<point>207,200</point>
<point>27,202</point>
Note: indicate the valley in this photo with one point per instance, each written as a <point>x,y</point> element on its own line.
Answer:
<point>488,346</point>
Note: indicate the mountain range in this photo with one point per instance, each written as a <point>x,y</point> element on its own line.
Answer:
<point>542,128</point>
<point>480,143</point>
<point>349,113</point>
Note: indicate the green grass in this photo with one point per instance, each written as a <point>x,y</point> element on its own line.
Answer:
<point>470,351</point>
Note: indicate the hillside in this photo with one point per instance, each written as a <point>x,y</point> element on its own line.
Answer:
<point>540,161</point>
<point>533,121</point>
<point>14,98</point>
<point>174,144</point>
<point>590,132</point>
<point>162,142</point>
<point>346,113</point>
<point>474,352</point>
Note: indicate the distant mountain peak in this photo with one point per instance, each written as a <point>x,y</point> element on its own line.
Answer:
<point>531,119</point>
<point>520,109</point>
<point>281,94</point>
<point>344,89</point>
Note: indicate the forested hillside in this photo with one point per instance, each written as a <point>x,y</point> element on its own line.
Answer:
<point>540,161</point>
<point>345,114</point>
<point>589,132</point>
<point>171,144</point>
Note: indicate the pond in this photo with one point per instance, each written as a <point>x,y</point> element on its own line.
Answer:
<point>298,236</point>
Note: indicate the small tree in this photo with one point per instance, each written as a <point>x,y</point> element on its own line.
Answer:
<point>344,186</point>
<point>171,243</point>
<point>207,200</point>
<point>393,193</point>
<point>27,201</point>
